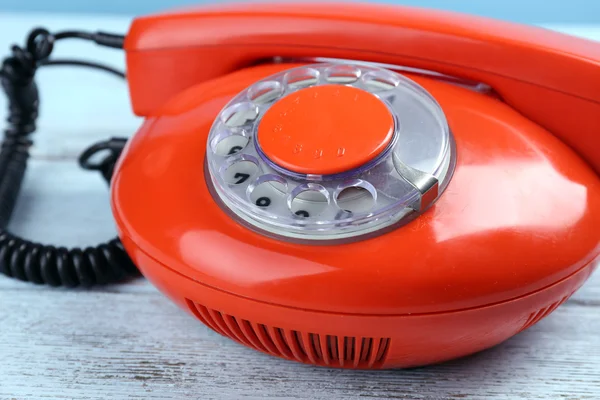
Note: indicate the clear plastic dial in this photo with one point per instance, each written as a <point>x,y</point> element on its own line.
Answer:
<point>400,183</point>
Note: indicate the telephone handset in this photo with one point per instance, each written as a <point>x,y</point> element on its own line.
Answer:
<point>549,77</point>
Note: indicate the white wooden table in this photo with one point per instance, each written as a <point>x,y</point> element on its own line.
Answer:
<point>129,342</point>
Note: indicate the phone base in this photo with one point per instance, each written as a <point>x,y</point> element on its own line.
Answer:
<point>357,341</point>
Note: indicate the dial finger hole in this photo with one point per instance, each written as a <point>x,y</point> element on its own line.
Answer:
<point>356,197</point>
<point>300,78</point>
<point>308,200</point>
<point>342,74</point>
<point>239,114</point>
<point>376,81</point>
<point>265,92</point>
<point>266,190</point>
<point>240,171</point>
<point>228,143</point>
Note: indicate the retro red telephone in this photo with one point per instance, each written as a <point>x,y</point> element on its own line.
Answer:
<point>347,185</point>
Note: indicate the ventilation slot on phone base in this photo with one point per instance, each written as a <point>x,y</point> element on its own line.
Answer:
<point>314,348</point>
<point>540,314</point>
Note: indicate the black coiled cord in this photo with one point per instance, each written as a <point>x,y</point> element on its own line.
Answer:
<point>23,259</point>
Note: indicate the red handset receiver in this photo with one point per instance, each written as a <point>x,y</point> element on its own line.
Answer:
<point>360,186</point>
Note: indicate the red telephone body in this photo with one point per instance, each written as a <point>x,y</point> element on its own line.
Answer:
<point>513,235</point>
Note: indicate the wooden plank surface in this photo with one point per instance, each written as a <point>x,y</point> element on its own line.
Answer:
<point>129,342</point>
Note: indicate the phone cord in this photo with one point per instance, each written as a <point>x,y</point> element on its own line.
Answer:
<point>21,258</point>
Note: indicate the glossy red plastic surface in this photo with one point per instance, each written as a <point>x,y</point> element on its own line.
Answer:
<point>521,213</point>
<point>412,340</point>
<point>550,78</point>
<point>325,130</point>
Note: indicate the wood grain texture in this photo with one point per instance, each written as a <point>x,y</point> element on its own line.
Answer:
<point>129,342</point>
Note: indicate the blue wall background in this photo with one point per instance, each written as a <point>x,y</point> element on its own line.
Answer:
<point>524,11</point>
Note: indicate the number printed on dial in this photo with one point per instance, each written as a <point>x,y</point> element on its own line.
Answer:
<point>240,172</point>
